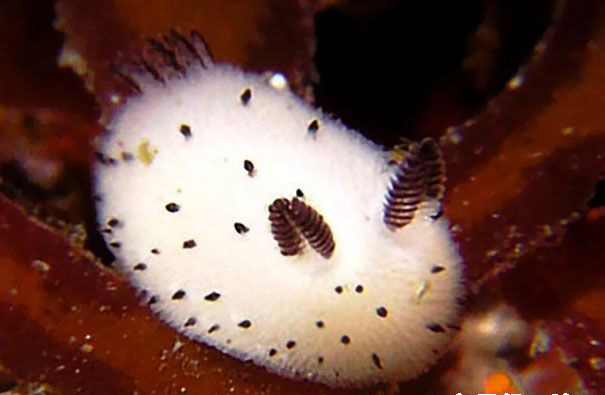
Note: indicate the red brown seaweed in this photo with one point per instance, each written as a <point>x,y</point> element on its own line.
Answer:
<point>522,168</point>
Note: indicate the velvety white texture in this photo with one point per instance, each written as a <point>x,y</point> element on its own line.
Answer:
<point>342,175</point>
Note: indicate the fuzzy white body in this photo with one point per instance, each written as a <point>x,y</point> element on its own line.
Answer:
<point>342,175</point>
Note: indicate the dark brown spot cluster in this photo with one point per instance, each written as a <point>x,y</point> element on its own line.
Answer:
<point>245,96</point>
<point>437,214</point>
<point>189,244</point>
<point>377,361</point>
<point>191,321</point>
<point>437,269</point>
<point>173,207</point>
<point>140,267</point>
<point>245,324</point>
<point>104,160</point>
<point>436,328</point>
<point>212,297</point>
<point>178,295</point>
<point>382,312</point>
<point>240,228</point>
<point>249,167</point>
<point>186,131</point>
<point>313,126</point>
<point>99,157</point>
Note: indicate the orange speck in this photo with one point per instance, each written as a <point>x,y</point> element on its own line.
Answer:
<point>499,383</point>
<point>595,213</point>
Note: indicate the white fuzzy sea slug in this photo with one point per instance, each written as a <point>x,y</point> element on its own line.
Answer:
<point>258,225</point>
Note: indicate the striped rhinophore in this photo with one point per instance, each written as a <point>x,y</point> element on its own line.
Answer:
<point>407,189</point>
<point>313,227</point>
<point>434,166</point>
<point>284,231</point>
<point>420,176</point>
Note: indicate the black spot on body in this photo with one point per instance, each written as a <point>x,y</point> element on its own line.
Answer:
<point>185,131</point>
<point>245,324</point>
<point>320,360</point>
<point>299,193</point>
<point>113,222</point>
<point>246,96</point>
<point>437,215</point>
<point>377,361</point>
<point>100,158</point>
<point>173,207</point>
<point>127,156</point>
<point>140,266</point>
<point>338,289</point>
<point>437,269</point>
<point>214,328</point>
<point>345,339</point>
<point>249,167</point>
<point>290,344</point>
<point>155,251</point>
<point>153,299</point>
<point>212,296</point>
<point>240,228</point>
<point>436,328</point>
<point>313,126</point>
<point>178,295</point>
<point>104,160</point>
<point>319,324</point>
<point>359,289</point>
<point>272,352</point>
<point>190,321</point>
<point>115,244</point>
<point>189,244</point>
<point>382,312</point>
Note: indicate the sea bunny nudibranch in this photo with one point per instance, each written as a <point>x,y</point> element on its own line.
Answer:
<point>258,225</point>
